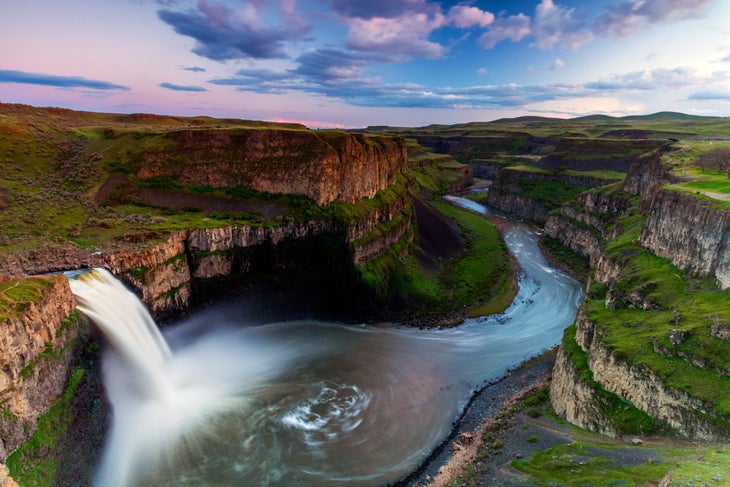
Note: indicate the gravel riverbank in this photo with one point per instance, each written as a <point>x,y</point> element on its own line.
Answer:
<point>452,454</point>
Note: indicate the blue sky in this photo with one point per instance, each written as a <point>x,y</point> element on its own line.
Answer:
<point>352,63</point>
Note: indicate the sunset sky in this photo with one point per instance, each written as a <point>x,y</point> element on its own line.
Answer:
<point>353,63</point>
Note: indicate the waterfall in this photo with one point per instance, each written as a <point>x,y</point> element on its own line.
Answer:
<point>126,323</point>
<point>164,403</point>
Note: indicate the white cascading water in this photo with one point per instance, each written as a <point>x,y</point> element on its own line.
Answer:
<point>127,325</point>
<point>160,399</point>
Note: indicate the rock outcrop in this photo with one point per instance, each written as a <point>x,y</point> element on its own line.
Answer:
<point>574,399</point>
<point>693,233</point>
<point>326,166</point>
<point>523,207</point>
<point>637,384</point>
<point>511,191</point>
<point>690,232</point>
<point>39,343</point>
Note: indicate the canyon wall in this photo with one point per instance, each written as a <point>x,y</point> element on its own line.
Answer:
<point>587,402</point>
<point>515,192</point>
<point>692,232</point>
<point>40,340</point>
<point>574,399</point>
<point>611,227</point>
<point>327,166</point>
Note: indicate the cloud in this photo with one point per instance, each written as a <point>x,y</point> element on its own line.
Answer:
<point>705,95</point>
<point>174,87</point>
<point>341,75</point>
<point>7,76</point>
<point>514,27</point>
<point>557,64</point>
<point>330,65</point>
<point>398,38</point>
<point>629,17</point>
<point>222,33</point>
<point>320,71</point>
<point>464,17</point>
<point>557,25</point>
<point>675,78</point>
<point>554,24</point>
<point>194,69</point>
<point>401,30</point>
<point>368,9</point>
<point>262,81</point>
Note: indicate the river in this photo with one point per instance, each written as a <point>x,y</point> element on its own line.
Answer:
<point>321,403</point>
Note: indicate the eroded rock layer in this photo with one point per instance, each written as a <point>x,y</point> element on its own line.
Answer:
<point>326,166</point>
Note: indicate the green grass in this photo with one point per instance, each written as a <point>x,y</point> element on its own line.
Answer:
<point>17,295</point>
<point>438,177</point>
<point>551,194</point>
<point>715,186</point>
<point>485,269</point>
<point>479,278</point>
<point>574,465</point>
<point>606,174</point>
<point>680,302</point>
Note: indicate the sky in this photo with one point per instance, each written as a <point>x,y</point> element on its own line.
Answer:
<point>354,63</point>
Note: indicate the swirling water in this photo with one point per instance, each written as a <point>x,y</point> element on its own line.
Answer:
<point>318,403</point>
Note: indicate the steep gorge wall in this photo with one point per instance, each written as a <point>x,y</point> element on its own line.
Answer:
<point>574,399</point>
<point>510,191</point>
<point>39,343</point>
<point>689,232</point>
<point>585,225</point>
<point>326,166</point>
<point>581,404</point>
<point>693,233</point>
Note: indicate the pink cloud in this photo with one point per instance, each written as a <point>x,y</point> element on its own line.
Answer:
<point>514,27</point>
<point>465,17</point>
<point>399,37</point>
<point>554,24</point>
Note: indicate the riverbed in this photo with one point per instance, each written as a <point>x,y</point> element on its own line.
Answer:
<point>319,403</point>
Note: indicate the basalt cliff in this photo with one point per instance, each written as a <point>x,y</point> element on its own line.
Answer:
<point>645,350</point>
<point>184,209</point>
<point>327,166</point>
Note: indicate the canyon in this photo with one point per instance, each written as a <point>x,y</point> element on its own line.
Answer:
<point>281,203</point>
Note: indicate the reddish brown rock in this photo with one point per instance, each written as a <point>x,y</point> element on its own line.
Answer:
<point>326,166</point>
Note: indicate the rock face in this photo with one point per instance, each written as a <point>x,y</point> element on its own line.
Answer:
<point>39,345</point>
<point>519,206</point>
<point>694,234</point>
<point>326,166</point>
<point>509,193</point>
<point>635,383</point>
<point>585,224</point>
<point>646,176</point>
<point>574,399</point>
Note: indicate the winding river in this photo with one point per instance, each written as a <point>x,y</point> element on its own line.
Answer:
<point>318,403</point>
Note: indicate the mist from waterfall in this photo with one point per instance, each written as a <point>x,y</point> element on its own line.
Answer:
<point>159,398</point>
<point>217,401</point>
